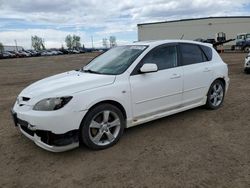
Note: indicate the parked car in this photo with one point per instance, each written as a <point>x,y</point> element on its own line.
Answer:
<point>17,54</point>
<point>247,64</point>
<point>81,50</point>
<point>8,55</point>
<point>75,51</point>
<point>125,86</point>
<point>59,52</point>
<point>24,53</point>
<point>5,55</point>
<point>33,53</point>
<point>64,51</point>
<point>46,53</point>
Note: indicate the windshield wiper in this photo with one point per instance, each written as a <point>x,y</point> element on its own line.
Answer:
<point>91,71</point>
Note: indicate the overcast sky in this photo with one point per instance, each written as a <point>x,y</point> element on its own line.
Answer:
<point>54,19</point>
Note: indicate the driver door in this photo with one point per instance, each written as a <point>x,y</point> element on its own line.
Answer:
<point>160,91</point>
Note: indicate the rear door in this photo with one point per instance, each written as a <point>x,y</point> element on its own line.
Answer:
<point>197,73</point>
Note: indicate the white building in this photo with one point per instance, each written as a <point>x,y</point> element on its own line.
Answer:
<point>191,29</point>
<point>12,48</point>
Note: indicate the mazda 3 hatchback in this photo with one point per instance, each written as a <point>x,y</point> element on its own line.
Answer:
<point>126,86</point>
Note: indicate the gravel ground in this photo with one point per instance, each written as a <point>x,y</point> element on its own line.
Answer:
<point>197,148</point>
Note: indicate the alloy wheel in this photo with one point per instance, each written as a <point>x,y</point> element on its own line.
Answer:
<point>216,94</point>
<point>104,128</point>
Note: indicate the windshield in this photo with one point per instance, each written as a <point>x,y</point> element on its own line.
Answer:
<point>115,61</point>
<point>241,37</point>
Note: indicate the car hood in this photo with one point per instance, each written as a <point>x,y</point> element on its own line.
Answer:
<point>66,84</point>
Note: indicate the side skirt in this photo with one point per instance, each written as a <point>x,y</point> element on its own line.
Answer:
<point>165,113</point>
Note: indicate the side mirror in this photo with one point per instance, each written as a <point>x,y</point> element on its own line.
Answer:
<point>149,67</point>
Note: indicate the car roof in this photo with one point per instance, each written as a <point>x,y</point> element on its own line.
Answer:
<point>160,42</point>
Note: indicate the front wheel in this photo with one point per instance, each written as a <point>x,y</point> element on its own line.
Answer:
<point>247,49</point>
<point>215,95</point>
<point>102,127</point>
<point>247,70</point>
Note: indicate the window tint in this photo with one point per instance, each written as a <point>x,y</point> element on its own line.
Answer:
<point>208,52</point>
<point>164,57</point>
<point>191,54</point>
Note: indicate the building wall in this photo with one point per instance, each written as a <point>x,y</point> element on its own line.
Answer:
<point>12,48</point>
<point>193,29</point>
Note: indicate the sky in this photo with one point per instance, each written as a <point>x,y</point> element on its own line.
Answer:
<point>53,20</point>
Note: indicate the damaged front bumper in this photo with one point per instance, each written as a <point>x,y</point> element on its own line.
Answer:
<point>46,139</point>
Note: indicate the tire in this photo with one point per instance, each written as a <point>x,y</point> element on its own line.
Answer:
<point>215,95</point>
<point>102,127</point>
<point>247,70</point>
<point>247,49</point>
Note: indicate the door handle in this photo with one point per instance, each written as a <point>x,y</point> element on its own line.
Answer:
<point>206,69</point>
<point>175,76</point>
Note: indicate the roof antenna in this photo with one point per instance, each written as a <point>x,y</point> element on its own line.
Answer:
<point>182,37</point>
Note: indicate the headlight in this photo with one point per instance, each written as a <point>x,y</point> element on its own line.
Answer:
<point>51,104</point>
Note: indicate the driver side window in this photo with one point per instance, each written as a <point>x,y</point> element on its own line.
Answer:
<point>164,57</point>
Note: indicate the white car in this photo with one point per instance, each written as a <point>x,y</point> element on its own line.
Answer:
<point>126,86</point>
<point>247,64</point>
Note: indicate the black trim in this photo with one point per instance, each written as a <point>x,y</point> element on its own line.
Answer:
<point>27,130</point>
<point>205,54</point>
<point>192,19</point>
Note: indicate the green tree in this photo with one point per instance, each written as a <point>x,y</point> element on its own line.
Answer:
<point>1,47</point>
<point>37,43</point>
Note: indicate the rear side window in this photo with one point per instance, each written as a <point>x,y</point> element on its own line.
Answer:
<point>164,57</point>
<point>191,54</point>
<point>207,51</point>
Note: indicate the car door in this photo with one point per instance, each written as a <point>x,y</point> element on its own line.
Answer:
<point>197,73</point>
<point>156,92</point>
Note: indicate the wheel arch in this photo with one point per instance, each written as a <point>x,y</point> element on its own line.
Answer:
<point>222,79</point>
<point>112,102</point>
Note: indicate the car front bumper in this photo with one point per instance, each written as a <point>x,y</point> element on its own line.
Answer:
<point>38,141</point>
<point>57,136</point>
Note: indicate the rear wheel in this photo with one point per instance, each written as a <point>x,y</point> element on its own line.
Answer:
<point>102,127</point>
<point>215,96</point>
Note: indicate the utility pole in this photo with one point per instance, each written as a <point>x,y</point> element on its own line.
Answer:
<point>16,44</point>
<point>92,42</point>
